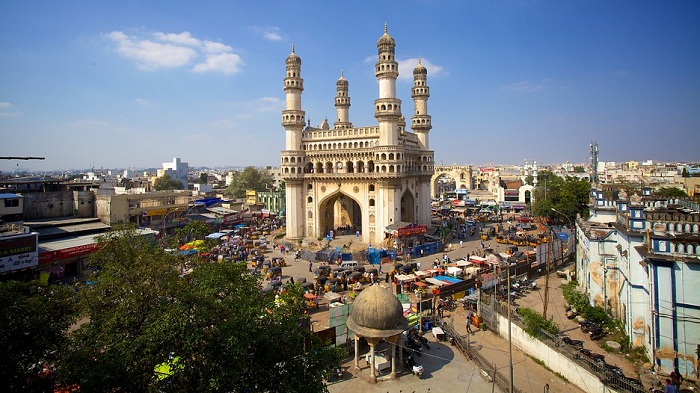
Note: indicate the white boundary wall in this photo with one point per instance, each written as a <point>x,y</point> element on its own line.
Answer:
<point>557,362</point>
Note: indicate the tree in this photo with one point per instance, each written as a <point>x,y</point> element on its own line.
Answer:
<point>250,179</point>
<point>568,196</point>
<point>34,322</point>
<point>203,178</point>
<point>165,182</point>
<point>192,231</point>
<point>670,193</point>
<point>214,327</point>
<point>579,169</point>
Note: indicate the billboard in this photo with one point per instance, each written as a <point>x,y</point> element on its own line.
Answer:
<point>19,252</point>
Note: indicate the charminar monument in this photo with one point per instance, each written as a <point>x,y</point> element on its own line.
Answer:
<point>357,178</point>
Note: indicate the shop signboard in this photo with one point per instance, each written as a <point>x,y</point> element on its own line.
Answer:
<point>19,252</point>
<point>66,253</point>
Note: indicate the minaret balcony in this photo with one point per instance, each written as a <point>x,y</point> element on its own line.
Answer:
<point>387,108</point>
<point>293,118</point>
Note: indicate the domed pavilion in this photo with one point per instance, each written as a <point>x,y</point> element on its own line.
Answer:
<point>377,315</point>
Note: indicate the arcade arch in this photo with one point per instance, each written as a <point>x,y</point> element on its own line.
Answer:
<point>339,210</point>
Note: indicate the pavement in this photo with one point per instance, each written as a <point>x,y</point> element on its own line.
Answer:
<point>446,369</point>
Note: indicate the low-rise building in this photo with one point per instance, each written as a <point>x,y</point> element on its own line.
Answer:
<point>643,267</point>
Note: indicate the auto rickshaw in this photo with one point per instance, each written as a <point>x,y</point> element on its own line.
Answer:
<point>484,236</point>
<point>279,261</point>
<point>501,239</point>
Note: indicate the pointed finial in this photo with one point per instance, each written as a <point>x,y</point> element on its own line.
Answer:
<point>386,31</point>
<point>419,60</point>
<point>341,73</point>
<point>292,47</point>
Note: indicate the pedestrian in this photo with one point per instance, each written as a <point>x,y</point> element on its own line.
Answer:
<point>291,280</point>
<point>461,243</point>
<point>469,323</point>
<point>311,266</point>
<point>676,379</point>
<point>670,387</point>
<point>371,278</point>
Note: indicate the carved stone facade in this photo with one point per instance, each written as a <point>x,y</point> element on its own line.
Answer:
<point>359,178</point>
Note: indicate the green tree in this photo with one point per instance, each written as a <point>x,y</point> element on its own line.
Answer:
<point>670,192</point>
<point>166,182</point>
<point>568,196</point>
<point>579,169</point>
<point>214,326</point>
<point>250,179</point>
<point>203,178</point>
<point>34,325</point>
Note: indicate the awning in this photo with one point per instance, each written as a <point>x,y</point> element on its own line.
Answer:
<point>216,235</point>
<point>434,281</point>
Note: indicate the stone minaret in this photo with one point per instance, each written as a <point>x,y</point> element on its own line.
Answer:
<point>420,122</point>
<point>387,108</point>
<point>342,104</point>
<point>293,121</point>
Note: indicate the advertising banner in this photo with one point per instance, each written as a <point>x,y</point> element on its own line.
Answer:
<point>19,252</point>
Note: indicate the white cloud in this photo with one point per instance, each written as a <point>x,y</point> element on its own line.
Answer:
<point>150,55</point>
<point>228,63</point>
<point>216,47</point>
<point>7,109</point>
<point>272,34</point>
<point>184,38</point>
<point>406,67</point>
<point>523,86</point>
<point>174,50</point>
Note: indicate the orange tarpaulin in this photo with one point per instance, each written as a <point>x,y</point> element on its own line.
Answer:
<point>420,284</point>
<point>310,296</point>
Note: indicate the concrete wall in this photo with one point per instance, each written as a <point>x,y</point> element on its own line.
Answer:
<point>39,205</point>
<point>556,361</point>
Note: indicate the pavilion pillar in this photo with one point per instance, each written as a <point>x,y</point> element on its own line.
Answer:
<point>357,351</point>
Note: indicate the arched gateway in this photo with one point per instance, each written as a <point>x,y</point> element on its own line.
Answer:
<point>361,179</point>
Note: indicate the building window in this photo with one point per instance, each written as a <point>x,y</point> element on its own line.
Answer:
<point>12,202</point>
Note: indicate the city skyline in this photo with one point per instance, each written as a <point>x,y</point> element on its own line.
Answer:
<point>132,85</point>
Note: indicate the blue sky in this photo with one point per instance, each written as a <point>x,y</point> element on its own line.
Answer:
<point>117,84</point>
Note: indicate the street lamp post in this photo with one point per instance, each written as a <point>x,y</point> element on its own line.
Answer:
<point>574,233</point>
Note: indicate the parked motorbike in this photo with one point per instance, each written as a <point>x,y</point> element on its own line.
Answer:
<point>420,339</point>
<point>415,368</point>
<point>297,255</point>
<point>587,326</point>
<point>596,357</point>
<point>414,346</point>
<point>573,343</point>
<point>597,333</point>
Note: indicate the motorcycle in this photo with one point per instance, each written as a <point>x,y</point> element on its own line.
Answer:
<point>592,355</point>
<point>297,255</point>
<point>573,343</point>
<point>587,326</point>
<point>597,333</point>
<point>410,363</point>
<point>420,339</point>
<point>414,346</point>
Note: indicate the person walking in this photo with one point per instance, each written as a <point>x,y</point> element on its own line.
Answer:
<point>311,266</point>
<point>670,387</point>
<point>469,323</point>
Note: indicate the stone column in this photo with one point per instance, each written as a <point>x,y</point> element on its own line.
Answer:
<point>372,370</point>
<point>357,351</point>
<point>393,357</point>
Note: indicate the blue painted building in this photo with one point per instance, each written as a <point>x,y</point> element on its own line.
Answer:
<point>644,269</point>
